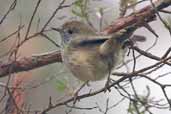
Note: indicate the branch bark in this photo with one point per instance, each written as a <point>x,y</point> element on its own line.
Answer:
<point>144,15</point>
<point>29,63</point>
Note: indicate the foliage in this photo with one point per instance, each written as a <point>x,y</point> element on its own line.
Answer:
<point>61,85</point>
<point>80,8</point>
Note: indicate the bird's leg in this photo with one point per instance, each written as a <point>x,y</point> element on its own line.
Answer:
<point>78,90</point>
<point>108,79</point>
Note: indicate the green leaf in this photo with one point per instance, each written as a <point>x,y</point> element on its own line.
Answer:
<point>80,8</point>
<point>75,12</point>
<point>61,85</point>
<point>78,2</point>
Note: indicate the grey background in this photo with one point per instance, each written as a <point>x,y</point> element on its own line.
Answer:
<point>38,98</point>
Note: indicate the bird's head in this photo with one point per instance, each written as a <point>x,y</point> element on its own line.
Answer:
<point>72,30</point>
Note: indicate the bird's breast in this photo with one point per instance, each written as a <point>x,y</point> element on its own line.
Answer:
<point>85,64</point>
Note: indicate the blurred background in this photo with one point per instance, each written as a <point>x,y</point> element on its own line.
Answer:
<point>55,81</point>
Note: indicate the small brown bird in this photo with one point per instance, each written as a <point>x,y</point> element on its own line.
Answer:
<point>90,56</point>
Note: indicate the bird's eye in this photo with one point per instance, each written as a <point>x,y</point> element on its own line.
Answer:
<point>70,31</point>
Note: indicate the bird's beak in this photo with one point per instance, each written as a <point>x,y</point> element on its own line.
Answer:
<point>61,32</point>
<point>57,29</point>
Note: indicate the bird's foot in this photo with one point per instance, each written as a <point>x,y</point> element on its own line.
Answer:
<point>107,86</point>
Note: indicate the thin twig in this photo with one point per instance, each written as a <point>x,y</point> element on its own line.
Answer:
<point>32,17</point>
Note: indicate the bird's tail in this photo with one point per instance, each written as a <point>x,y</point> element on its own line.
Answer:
<point>124,34</point>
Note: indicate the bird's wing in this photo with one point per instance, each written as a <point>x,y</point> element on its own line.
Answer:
<point>119,37</point>
<point>92,40</point>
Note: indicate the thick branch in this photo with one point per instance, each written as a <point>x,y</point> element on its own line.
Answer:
<point>29,63</point>
<point>147,14</point>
